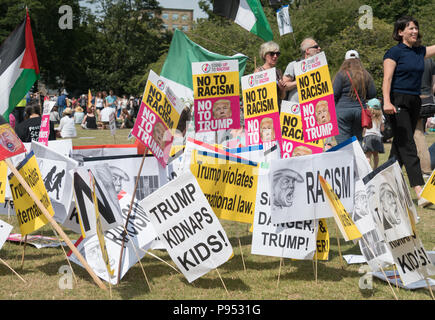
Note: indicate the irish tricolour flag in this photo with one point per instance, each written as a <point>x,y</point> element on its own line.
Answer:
<point>18,67</point>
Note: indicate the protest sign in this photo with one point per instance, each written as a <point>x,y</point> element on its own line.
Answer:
<point>292,133</point>
<point>362,166</point>
<point>228,186</point>
<point>428,191</point>
<point>389,201</point>
<point>372,244</point>
<point>316,98</point>
<point>108,204</point>
<point>393,278</point>
<point>54,175</point>
<point>105,150</point>
<point>140,235</point>
<point>296,193</point>
<point>158,116</point>
<point>29,215</point>
<point>62,206</point>
<point>124,170</point>
<point>260,108</point>
<point>186,224</point>
<point>112,124</point>
<point>341,216</point>
<point>10,144</point>
<point>5,230</point>
<point>411,259</point>
<point>36,241</point>
<point>295,240</point>
<point>322,242</point>
<point>216,95</point>
<point>44,131</point>
<point>3,180</point>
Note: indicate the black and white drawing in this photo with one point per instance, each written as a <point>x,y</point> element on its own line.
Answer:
<point>283,184</point>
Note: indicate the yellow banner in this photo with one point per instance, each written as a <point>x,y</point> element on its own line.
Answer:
<point>429,189</point>
<point>341,216</point>
<point>3,180</point>
<point>216,85</point>
<point>227,186</point>
<point>314,84</point>
<point>322,245</point>
<point>29,216</point>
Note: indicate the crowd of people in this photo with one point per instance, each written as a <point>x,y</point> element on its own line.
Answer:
<point>407,89</point>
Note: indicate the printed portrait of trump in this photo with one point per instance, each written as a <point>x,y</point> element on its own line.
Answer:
<point>159,134</point>
<point>222,109</point>
<point>301,151</point>
<point>283,187</point>
<point>267,132</point>
<point>322,112</point>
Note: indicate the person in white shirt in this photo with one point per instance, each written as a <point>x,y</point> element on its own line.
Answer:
<point>104,116</point>
<point>67,127</point>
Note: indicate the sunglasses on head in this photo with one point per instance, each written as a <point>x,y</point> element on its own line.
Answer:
<point>314,47</point>
<point>277,53</point>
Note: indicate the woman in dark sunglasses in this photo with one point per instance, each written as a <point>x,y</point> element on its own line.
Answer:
<point>269,52</point>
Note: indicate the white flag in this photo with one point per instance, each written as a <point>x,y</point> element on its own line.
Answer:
<point>284,23</point>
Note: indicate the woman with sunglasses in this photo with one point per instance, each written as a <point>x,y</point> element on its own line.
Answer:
<point>403,71</point>
<point>269,52</point>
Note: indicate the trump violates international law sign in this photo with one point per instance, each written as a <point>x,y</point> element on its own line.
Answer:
<point>216,95</point>
<point>187,226</point>
<point>158,115</point>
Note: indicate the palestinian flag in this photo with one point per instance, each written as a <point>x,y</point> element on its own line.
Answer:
<point>18,67</point>
<point>248,14</point>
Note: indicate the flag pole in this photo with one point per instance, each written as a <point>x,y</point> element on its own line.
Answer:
<point>54,224</point>
<point>129,212</point>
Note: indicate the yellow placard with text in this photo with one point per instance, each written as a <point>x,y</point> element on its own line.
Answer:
<point>261,100</point>
<point>210,86</point>
<point>227,186</point>
<point>29,215</point>
<point>341,216</point>
<point>314,84</point>
<point>3,180</point>
<point>429,188</point>
<point>322,245</point>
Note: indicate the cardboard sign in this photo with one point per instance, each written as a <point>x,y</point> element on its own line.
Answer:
<point>260,108</point>
<point>5,230</point>
<point>228,186</point>
<point>107,201</point>
<point>10,144</point>
<point>389,201</point>
<point>54,175</point>
<point>186,224</point>
<point>372,244</point>
<point>158,116</point>
<point>292,133</point>
<point>295,240</point>
<point>316,98</point>
<point>216,95</point>
<point>429,188</point>
<point>296,193</point>
<point>3,180</point>
<point>411,259</point>
<point>29,216</point>
<point>59,180</point>
<point>342,218</point>
<point>44,131</point>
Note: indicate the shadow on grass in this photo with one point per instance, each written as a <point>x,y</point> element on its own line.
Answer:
<point>216,283</point>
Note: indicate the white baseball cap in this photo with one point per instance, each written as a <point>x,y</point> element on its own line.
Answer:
<point>351,54</point>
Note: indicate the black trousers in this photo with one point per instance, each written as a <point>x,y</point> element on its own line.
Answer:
<point>403,145</point>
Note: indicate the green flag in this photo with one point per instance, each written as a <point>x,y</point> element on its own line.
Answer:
<point>177,69</point>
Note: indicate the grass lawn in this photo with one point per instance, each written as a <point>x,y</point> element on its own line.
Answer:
<point>247,278</point>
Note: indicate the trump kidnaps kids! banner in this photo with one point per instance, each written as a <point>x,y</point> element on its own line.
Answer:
<point>316,98</point>
<point>159,113</point>
<point>216,95</point>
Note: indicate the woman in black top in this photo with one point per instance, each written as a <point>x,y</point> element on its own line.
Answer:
<point>28,130</point>
<point>90,120</point>
<point>403,70</point>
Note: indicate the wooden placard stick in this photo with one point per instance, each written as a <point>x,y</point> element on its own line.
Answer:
<point>54,224</point>
<point>4,262</point>
<point>223,283</point>
<point>279,271</point>
<point>129,212</point>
